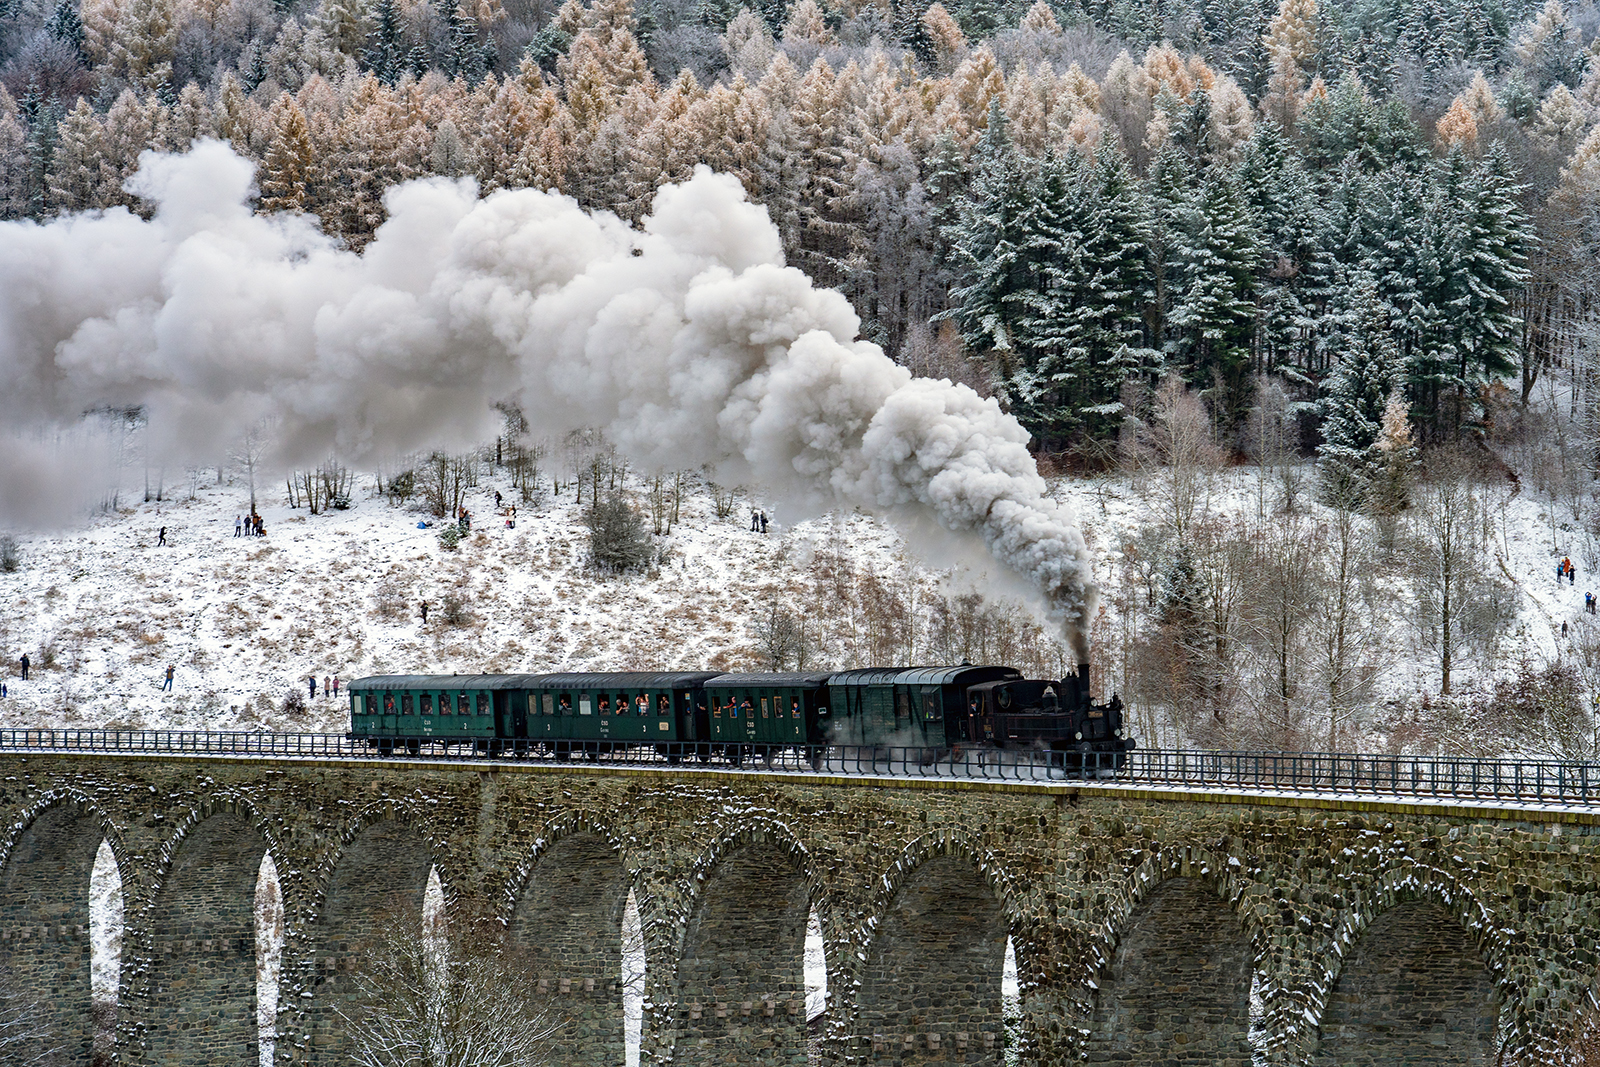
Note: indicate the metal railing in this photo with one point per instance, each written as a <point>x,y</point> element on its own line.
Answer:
<point>1523,780</point>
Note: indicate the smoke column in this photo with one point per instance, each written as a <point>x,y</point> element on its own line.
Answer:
<point>689,343</point>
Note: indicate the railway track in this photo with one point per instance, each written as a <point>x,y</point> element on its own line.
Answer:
<point>1526,781</point>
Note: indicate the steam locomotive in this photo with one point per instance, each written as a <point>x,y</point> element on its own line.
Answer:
<point>933,712</point>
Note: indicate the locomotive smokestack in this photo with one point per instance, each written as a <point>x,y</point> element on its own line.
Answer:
<point>1083,683</point>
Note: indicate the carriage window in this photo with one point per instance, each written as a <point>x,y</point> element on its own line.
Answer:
<point>405,704</point>
<point>565,703</point>
<point>763,707</point>
<point>388,703</point>
<point>902,706</point>
<point>622,704</point>
<point>930,706</point>
<point>641,704</point>
<point>549,704</point>
<point>663,705</point>
<point>446,704</point>
<point>583,705</point>
<point>464,704</point>
<point>427,703</point>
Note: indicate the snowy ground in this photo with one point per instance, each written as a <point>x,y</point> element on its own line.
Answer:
<point>102,610</point>
<point>245,621</point>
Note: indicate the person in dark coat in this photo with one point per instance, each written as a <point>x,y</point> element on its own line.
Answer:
<point>161,538</point>
<point>313,681</point>
<point>24,666</point>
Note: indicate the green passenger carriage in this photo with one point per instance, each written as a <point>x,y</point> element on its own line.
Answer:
<point>930,712</point>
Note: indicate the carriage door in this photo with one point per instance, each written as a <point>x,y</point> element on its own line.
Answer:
<point>511,717</point>
<point>932,714</point>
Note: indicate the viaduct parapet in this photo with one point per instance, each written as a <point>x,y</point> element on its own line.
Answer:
<point>1150,926</point>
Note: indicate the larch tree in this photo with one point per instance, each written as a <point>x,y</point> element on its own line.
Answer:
<point>75,171</point>
<point>287,170</point>
<point>146,37</point>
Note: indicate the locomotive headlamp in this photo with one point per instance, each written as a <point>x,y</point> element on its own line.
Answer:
<point>1078,736</point>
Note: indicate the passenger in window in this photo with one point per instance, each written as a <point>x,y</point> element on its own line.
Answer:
<point>794,709</point>
<point>566,704</point>
<point>747,707</point>
<point>641,705</point>
<point>663,705</point>
<point>605,704</point>
<point>464,704</point>
<point>388,703</point>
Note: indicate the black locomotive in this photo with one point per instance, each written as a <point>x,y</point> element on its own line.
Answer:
<point>931,712</point>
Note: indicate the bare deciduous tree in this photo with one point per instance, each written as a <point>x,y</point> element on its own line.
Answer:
<point>1180,437</point>
<point>1457,602</point>
<point>249,451</point>
<point>781,635</point>
<point>459,995</point>
<point>26,1038</point>
<point>1346,634</point>
<point>444,480</point>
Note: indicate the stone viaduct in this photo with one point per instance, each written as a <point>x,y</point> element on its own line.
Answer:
<point>1150,926</point>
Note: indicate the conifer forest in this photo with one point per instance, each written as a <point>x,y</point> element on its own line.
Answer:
<point>1355,246</point>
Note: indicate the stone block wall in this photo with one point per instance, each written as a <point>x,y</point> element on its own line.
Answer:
<point>1106,892</point>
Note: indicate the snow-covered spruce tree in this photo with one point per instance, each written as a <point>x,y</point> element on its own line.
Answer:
<point>987,252</point>
<point>1080,333</point>
<point>1212,257</point>
<point>386,50</point>
<point>1353,399</point>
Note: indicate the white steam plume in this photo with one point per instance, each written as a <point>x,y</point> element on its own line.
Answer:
<point>690,343</point>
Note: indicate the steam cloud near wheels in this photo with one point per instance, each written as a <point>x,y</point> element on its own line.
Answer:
<point>690,343</point>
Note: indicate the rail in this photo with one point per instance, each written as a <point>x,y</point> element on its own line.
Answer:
<point>1523,780</point>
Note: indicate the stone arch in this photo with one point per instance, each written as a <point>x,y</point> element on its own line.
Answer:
<point>740,977</point>
<point>929,992</point>
<point>197,1002</point>
<point>1417,977</point>
<point>567,920</point>
<point>379,874</point>
<point>1176,978</point>
<point>45,947</point>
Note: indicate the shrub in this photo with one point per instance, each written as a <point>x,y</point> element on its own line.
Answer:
<point>617,538</point>
<point>450,537</point>
<point>10,558</point>
<point>454,609</point>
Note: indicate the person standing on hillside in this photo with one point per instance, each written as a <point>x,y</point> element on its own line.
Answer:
<point>25,666</point>
<point>166,686</point>
<point>424,606</point>
<point>238,526</point>
<point>161,538</point>
<point>327,687</point>
<point>313,681</point>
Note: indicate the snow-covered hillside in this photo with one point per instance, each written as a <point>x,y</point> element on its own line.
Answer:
<point>102,610</point>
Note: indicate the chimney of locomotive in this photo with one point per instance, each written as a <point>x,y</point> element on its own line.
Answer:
<point>1085,698</point>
